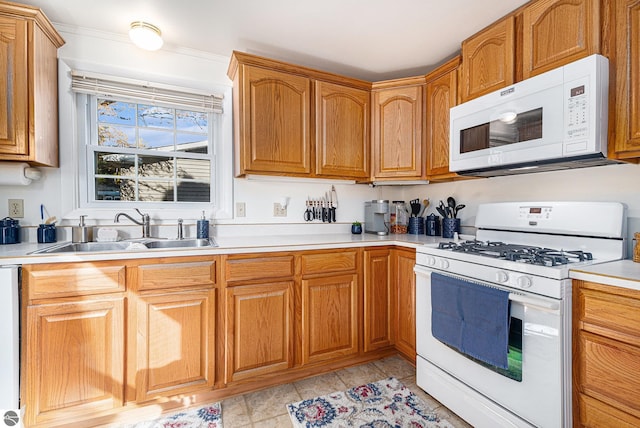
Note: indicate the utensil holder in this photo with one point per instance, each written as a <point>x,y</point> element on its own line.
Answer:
<point>416,226</point>
<point>450,226</point>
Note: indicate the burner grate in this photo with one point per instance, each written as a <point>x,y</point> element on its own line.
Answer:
<point>518,253</point>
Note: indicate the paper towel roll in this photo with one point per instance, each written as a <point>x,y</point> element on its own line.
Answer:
<point>17,174</point>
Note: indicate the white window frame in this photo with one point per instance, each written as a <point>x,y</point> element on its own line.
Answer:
<point>88,123</point>
<point>73,163</point>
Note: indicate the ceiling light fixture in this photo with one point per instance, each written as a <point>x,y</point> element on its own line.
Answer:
<point>145,35</point>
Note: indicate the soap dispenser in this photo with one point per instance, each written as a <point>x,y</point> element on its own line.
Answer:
<point>203,227</point>
<point>81,233</point>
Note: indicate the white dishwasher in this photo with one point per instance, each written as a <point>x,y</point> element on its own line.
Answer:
<point>9,337</point>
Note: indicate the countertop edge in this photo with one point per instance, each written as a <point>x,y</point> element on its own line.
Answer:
<point>410,241</point>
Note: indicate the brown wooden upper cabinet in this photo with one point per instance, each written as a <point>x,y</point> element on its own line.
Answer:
<point>488,59</point>
<point>342,131</point>
<point>540,36</point>
<point>280,129</point>
<point>398,122</point>
<point>441,95</point>
<point>556,32</point>
<point>624,113</point>
<point>28,86</point>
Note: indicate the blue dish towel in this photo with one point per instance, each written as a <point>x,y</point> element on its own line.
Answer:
<point>471,317</point>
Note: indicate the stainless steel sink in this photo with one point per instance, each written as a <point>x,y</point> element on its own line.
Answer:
<point>134,245</point>
<point>181,243</point>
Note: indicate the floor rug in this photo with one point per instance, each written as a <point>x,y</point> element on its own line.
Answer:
<point>209,416</point>
<point>383,404</point>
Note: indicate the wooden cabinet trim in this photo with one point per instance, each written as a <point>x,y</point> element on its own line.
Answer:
<point>238,58</point>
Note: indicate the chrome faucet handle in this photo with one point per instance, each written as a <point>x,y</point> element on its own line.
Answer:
<point>180,235</point>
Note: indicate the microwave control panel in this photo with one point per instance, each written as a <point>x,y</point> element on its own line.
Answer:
<point>577,114</point>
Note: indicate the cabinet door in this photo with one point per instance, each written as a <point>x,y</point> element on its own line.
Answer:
<point>75,359</point>
<point>377,299</point>
<point>275,127</point>
<point>14,96</point>
<point>627,74</point>
<point>398,141</point>
<point>175,340</point>
<point>329,317</point>
<point>488,60</point>
<point>403,262</point>
<point>441,96</point>
<point>342,131</point>
<point>556,32</point>
<point>259,329</point>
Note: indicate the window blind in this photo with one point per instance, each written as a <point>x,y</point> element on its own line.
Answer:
<point>144,92</point>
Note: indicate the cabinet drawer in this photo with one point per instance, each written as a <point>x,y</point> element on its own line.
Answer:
<point>610,308</point>
<point>245,269</point>
<point>338,261</point>
<point>180,274</point>
<point>73,279</point>
<point>610,371</point>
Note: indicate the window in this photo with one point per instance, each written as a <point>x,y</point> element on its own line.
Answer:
<point>145,143</point>
<point>149,153</point>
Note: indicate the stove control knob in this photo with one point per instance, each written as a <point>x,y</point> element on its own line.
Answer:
<point>502,276</point>
<point>524,282</point>
<point>431,261</point>
<point>444,264</point>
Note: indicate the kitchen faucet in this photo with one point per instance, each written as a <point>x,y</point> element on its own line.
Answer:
<point>145,222</point>
<point>180,235</point>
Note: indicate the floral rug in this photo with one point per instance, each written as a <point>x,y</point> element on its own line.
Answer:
<point>383,404</point>
<point>209,416</point>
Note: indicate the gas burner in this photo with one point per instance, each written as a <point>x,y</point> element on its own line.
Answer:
<point>517,253</point>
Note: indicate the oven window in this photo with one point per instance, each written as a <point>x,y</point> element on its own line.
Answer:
<point>500,132</point>
<point>514,356</point>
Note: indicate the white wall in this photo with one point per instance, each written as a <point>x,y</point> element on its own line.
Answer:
<point>111,54</point>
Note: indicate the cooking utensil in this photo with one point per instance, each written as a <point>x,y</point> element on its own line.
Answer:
<point>451,203</point>
<point>458,208</point>
<point>425,204</point>
<point>415,207</point>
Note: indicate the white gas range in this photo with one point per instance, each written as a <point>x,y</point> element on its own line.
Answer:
<point>523,251</point>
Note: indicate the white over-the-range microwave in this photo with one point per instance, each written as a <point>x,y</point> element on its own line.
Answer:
<point>556,120</point>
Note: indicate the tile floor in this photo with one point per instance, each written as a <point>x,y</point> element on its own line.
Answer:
<point>267,408</point>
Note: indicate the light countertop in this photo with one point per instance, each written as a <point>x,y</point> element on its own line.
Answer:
<point>621,273</point>
<point>18,254</point>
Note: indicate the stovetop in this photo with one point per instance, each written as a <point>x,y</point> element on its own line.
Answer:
<point>518,253</point>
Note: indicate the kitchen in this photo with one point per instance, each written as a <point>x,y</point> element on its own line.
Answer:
<point>111,55</point>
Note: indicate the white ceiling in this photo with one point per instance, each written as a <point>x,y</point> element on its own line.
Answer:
<point>368,39</point>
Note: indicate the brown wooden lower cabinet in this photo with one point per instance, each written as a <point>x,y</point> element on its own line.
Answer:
<point>75,359</point>
<point>378,294</point>
<point>259,329</point>
<point>606,356</point>
<point>405,301</point>
<point>329,317</point>
<point>113,336</point>
<point>175,338</point>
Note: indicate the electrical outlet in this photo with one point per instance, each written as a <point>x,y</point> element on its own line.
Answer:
<point>279,210</point>
<point>241,209</point>
<point>16,208</point>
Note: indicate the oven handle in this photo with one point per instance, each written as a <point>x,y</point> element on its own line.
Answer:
<point>533,302</point>
<point>518,298</point>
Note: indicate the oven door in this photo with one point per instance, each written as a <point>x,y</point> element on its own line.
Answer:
<point>532,387</point>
